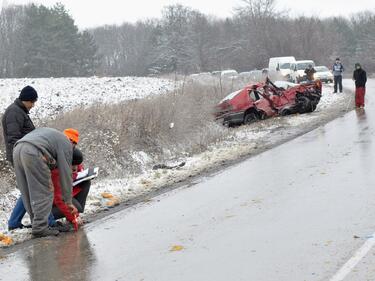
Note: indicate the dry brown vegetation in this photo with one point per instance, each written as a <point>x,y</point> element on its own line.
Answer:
<point>111,134</point>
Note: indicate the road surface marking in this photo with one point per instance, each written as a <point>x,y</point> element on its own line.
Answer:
<point>355,259</point>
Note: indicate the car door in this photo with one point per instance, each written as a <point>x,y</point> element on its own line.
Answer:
<point>262,103</point>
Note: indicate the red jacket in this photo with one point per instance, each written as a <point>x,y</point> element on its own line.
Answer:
<point>57,196</point>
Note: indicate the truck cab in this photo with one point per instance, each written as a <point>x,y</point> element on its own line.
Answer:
<point>297,70</point>
<point>279,68</point>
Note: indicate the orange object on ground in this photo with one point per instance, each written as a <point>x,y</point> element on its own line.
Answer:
<point>6,240</point>
<point>107,195</point>
<point>113,202</point>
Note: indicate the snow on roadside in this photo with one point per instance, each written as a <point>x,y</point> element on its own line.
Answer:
<point>58,95</point>
<point>240,142</point>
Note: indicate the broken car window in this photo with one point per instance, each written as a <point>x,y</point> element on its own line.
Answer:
<point>254,95</point>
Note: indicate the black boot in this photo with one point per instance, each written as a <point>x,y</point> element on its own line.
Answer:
<point>47,232</point>
<point>59,226</point>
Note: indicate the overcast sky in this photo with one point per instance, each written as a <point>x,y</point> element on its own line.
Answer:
<point>90,13</point>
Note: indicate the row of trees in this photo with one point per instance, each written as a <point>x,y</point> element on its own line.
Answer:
<point>40,41</point>
<point>36,41</point>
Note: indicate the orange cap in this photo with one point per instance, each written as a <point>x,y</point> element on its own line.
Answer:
<point>72,135</point>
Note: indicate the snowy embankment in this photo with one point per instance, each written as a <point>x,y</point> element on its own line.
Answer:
<point>58,95</point>
<point>241,141</point>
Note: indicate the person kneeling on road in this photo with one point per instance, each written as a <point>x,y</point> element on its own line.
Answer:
<point>80,192</point>
<point>60,209</point>
<point>19,211</point>
<point>35,155</point>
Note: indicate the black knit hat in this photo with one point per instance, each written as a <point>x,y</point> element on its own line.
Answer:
<point>28,94</point>
<point>77,157</point>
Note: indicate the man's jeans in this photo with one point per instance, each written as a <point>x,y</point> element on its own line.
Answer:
<point>337,82</point>
<point>15,220</point>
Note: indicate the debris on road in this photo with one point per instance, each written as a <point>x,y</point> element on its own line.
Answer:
<point>112,200</point>
<point>163,166</point>
<point>107,195</point>
<point>6,240</point>
<point>176,248</point>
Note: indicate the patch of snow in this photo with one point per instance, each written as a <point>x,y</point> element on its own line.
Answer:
<point>141,157</point>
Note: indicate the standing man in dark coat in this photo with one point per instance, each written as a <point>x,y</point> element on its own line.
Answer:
<point>337,70</point>
<point>16,124</point>
<point>16,121</point>
<point>360,79</point>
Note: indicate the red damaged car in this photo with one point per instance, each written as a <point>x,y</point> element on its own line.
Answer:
<point>263,100</point>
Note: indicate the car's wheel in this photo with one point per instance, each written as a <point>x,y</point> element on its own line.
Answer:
<point>250,117</point>
<point>304,104</point>
<point>285,112</point>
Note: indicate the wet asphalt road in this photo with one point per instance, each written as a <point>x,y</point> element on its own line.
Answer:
<point>297,212</point>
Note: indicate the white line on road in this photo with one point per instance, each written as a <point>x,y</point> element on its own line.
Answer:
<point>358,256</point>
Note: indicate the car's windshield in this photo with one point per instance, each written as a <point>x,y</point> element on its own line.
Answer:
<point>321,69</point>
<point>284,84</point>
<point>285,65</point>
<point>303,66</point>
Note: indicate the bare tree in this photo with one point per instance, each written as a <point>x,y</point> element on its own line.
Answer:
<point>182,41</point>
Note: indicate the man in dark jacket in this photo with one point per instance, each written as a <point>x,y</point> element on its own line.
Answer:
<point>16,124</point>
<point>16,121</point>
<point>360,79</point>
<point>337,70</point>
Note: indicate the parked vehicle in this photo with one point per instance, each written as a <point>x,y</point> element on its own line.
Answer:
<point>279,67</point>
<point>263,100</point>
<point>323,74</point>
<point>216,73</point>
<point>229,73</point>
<point>297,70</point>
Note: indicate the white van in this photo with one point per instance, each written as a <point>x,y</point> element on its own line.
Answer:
<point>297,70</point>
<point>279,67</point>
<point>229,73</point>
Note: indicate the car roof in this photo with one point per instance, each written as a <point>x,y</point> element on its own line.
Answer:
<point>303,61</point>
<point>229,71</point>
<point>282,59</point>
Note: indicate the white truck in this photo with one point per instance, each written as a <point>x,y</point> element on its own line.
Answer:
<point>279,68</point>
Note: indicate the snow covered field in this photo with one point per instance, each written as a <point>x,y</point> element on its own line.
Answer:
<point>68,93</point>
<point>58,95</point>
